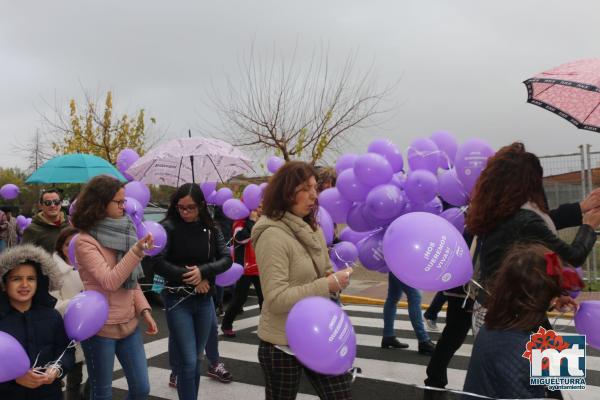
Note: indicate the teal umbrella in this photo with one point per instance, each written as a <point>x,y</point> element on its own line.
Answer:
<point>73,168</point>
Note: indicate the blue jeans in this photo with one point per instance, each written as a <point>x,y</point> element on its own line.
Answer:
<point>395,289</point>
<point>189,324</point>
<point>100,356</point>
<point>212,346</point>
<point>2,245</point>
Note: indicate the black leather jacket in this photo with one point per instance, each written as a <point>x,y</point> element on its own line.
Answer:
<point>527,226</point>
<point>191,244</point>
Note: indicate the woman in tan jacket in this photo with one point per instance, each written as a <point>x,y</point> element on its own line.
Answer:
<point>109,255</point>
<point>293,261</point>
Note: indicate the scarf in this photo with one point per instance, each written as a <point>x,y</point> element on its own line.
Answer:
<point>311,240</point>
<point>118,234</point>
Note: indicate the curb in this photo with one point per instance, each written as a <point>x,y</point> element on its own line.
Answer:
<point>371,301</point>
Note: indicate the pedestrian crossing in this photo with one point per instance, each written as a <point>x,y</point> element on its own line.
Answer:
<point>386,373</point>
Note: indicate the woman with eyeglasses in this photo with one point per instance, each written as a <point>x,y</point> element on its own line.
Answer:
<point>109,254</point>
<point>195,253</point>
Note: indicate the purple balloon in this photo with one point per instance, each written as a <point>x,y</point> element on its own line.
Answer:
<point>574,293</point>
<point>15,361</point>
<point>451,189</point>
<point>71,251</point>
<point>426,252</point>
<point>370,251</point>
<point>374,222</point>
<point>343,255</point>
<point>9,191</point>
<point>222,196</point>
<point>336,205</point>
<point>326,223</point>
<point>456,217</point>
<point>448,145</point>
<point>321,336</point>
<point>434,206</point>
<point>138,191</point>
<point>134,210</point>
<point>345,162</point>
<point>274,163</point>
<point>159,235</point>
<point>72,207</point>
<point>207,188</point>
<point>230,276</point>
<point>385,202</point>
<point>356,219</point>
<point>421,186</point>
<point>471,159</point>
<point>263,186</point>
<point>126,158</point>
<point>386,148</point>
<point>349,186</point>
<point>423,154</point>
<point>252,196</point>
<point>399,180</point>
<point>349,235</point>
<point>234,209</point>
<point>586,322</point>
<point>21,221</point>
<point>211,198</point>
<point>85,315</point>
<point>372,169</point>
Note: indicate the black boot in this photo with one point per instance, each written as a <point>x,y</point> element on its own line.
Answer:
<point>391,342</point>
<point>426,348</point>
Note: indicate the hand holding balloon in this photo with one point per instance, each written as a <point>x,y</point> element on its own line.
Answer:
<point>145,243</point>
<point>338,281</point>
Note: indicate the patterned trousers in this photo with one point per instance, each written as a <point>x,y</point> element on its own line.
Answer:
<point>282,377</point>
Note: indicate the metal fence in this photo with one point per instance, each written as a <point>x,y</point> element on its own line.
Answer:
<point>568,178</point>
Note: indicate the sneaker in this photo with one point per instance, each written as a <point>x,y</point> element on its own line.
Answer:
<point>426,348</point>
<point>228,332</point>
<point>431,325</point>
<point>218,371</point>
<point>220,311</point>
<point>173,380</point>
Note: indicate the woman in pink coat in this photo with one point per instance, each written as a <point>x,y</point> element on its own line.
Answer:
<point>109,255</point>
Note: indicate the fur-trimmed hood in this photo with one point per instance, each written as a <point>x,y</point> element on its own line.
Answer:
<point>17,255</point>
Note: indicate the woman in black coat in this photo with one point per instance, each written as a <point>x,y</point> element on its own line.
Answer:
<point>508,206</point>
<point>195,253</point>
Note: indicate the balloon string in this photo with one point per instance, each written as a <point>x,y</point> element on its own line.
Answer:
<point>357,372</point>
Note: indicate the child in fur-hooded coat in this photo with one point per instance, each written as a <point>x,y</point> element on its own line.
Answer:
<point>27,273</point>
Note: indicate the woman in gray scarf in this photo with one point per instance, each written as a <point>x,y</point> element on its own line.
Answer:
<point>109,254</point>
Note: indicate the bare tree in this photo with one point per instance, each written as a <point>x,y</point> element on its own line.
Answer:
<point>35,150</point>
<point>299,112</point>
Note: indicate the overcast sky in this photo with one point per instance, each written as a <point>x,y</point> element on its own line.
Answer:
<point>461,63</point>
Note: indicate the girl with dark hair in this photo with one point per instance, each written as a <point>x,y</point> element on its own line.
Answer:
<point>293,260</point>
<point>109,254</point>
<point>527,283</point>
<point>70,287</point>
<point>195,253</point>
<point>27,313</point>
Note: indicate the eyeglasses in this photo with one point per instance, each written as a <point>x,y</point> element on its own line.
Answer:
<point>119,203</point>
<point>49,203</point>
<point>190,208</point>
